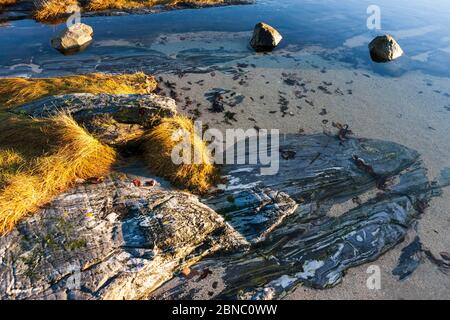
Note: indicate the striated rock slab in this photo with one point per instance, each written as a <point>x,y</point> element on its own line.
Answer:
<point>254,212</point>
<point>311,246</point>
<point>332,205</point>
<point>109,241</point>
<point>126,108</point>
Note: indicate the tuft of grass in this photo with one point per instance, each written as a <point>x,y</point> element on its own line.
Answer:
<point>75,155</point>
<point>159,144</point>
<point>27,137</point>
<point>48,10</point>
<point>18,91</point>
<point>10,164</point>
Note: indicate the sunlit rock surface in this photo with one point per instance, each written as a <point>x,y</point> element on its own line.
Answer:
<point>73,39</point>
<point>312,246</point>
<point>265,37</point>
<point>385,48</point>
<point>332,205</point>
<point>110,240</point>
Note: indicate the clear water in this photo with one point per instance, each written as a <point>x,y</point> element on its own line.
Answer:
<point>422,28</point>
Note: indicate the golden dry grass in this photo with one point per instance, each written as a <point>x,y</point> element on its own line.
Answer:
<point>10,164</point>
<point>7,2</point>
<point>48,10</point>
<point>75,155</point>
<point>18,91</point>
<point>159,144</point>
<point>97,5</point>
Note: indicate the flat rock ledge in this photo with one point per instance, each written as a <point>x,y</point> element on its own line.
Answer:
<point>126,108</point>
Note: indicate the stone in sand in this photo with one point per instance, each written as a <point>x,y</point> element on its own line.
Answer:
<point>385,48</point>
<point>265,37</point>
<point>73,39</point>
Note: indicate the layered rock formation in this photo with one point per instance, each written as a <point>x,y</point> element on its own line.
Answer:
<point>256,238</point>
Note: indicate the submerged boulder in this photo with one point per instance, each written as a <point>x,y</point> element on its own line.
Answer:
<point>265,37</point>
<point>73,39</point>
<point>325,232</point>
<point>384,48</point>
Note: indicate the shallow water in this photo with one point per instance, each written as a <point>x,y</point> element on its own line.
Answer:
<point>420,26</point>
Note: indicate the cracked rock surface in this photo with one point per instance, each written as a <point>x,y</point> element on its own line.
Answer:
<point>332,205</point>
<point>113,119</point>
<point>109,241</point>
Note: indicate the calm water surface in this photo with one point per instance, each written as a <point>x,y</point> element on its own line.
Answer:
<point>421,27</point>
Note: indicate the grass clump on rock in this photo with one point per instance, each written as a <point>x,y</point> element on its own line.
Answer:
<point>166,139</point>
<point>18,91</point>
<point>27,183</point>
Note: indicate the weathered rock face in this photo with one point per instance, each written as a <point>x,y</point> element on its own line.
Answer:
<point>114,119</point>
<point>111,240</point>
<point>333,205</point>
<point>265,37</point>
<point>385,48</point>
<point>311,246</point>
<point>73,39</point>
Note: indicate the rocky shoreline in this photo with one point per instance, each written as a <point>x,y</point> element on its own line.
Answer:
<point>118,239</point>
<point>338,202</point>
<point>24,9</point>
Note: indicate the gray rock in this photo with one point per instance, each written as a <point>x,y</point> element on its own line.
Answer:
<point>73,39</point>
<point>111,240</point>
<point>384,48</point>
<point>114,119</point>
<point>265,37</point>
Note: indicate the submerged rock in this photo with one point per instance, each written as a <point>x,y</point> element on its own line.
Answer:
<point>110,240</point>
<point>73,39</point>
<point>114,119</point>
<point>265,37</point>
<point>385,48</point>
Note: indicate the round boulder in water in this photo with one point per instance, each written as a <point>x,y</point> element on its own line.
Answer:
<point>265,37</point>
<point>384,48</point>
<point>73,39</point>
